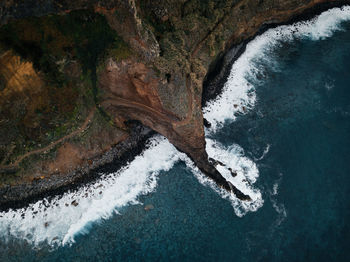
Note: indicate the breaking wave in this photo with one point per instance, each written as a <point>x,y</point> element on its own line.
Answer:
<point>244,169</point>
<point>238,94</point>
<point>58,221</point>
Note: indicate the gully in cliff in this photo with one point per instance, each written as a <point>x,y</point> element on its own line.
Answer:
<point>131,60</point>
<point>131,92</point>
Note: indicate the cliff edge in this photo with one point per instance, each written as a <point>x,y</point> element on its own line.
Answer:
<point>74,75</point>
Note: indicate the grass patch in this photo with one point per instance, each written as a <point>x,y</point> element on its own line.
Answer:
<point>65,51</point>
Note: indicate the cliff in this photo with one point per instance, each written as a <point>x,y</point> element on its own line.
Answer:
<point>75,74</point>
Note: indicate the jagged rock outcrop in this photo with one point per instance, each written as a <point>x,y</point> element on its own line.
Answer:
<point>148,63</point>
<point>189,36</point>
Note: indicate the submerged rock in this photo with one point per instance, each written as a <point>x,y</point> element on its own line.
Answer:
<point>215,162</point>
<point>239,194</point>
<point>233,173</point>
<point>206,123</point>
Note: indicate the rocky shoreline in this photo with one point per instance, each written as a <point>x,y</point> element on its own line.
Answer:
<point>19,196</point>
<point>220,68</point>
<point>124,152</point>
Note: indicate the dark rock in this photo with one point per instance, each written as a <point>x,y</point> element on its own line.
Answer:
<point>239,194</point>
<point>215,162</point>
<point>74,203</point>
<point>233,173</point>
<point>206,123</point>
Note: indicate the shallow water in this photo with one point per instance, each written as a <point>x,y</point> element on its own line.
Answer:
<point>282,123</point>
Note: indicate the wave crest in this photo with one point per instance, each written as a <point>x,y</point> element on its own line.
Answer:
<point>57,222</point>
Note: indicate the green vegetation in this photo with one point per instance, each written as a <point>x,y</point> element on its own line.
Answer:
<point>81,35</point>
<point>65,51</point>
<point>119,50</point>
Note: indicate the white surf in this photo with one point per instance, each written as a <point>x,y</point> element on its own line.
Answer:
<point>58,222</point>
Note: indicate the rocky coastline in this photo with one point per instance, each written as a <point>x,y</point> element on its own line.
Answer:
<point>220,68</point>
<point>21,195</point>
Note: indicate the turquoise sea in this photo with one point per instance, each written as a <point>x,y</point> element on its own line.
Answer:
<point>282,124</point>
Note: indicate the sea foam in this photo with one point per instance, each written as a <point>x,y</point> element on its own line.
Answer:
<point>246,175</point>
<point>238,94</point>
<point>58,221</point>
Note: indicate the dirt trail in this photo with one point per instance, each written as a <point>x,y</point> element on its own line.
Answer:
<point>53,144</point>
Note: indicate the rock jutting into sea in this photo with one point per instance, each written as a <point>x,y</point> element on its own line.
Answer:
<point>85,83</point>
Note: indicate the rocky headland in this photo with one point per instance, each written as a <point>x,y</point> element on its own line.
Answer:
<point>84,83</point>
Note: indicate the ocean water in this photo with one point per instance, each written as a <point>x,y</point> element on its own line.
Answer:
<point>282,124</point>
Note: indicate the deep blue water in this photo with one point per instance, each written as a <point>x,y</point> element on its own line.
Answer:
<point>303,113</point>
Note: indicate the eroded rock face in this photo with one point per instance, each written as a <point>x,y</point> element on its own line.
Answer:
<point>131,84</point>
<point>154,72</point>
<point>190,35</point>
<point>131,92</point>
